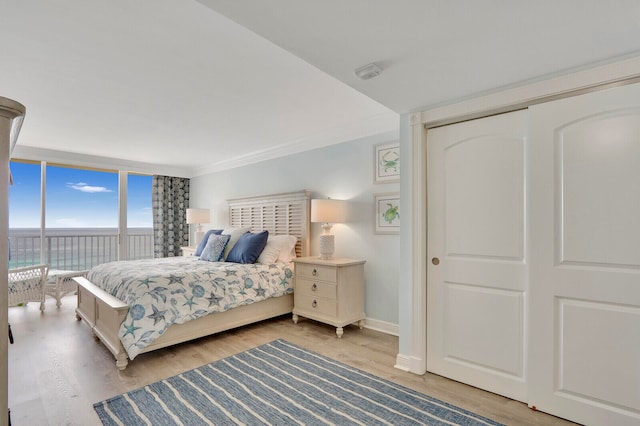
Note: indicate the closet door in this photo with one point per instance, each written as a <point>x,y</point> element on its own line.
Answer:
<point>585,258</point>
<point>477,258</point>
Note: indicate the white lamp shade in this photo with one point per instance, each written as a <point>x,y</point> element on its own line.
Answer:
<point>197,216</point>
<point>328,211</point>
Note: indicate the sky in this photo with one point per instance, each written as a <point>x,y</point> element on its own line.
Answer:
<point>76,198</point>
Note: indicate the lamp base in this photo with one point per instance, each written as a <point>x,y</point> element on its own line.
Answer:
<point>327,245</point>
<point>199,234</point>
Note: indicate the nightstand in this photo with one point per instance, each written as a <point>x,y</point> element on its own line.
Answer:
<point>188,251</point>
<point>329,291</point>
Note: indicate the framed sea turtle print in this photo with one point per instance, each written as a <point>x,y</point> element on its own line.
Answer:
<point>387,213</point>
<point>387,162</point>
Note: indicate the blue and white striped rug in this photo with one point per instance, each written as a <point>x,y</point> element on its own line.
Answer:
<point>279,384</point>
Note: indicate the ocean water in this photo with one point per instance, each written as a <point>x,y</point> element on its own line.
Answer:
<point>75,248</point>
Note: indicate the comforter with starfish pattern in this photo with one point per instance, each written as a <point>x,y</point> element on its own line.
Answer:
<point>174,290</point>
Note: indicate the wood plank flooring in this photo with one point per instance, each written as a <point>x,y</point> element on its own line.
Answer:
<point>57,371</point>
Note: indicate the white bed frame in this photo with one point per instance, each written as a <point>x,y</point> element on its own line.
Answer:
<point>280,214</point>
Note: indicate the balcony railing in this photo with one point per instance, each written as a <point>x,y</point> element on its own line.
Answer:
<point>76,249</point>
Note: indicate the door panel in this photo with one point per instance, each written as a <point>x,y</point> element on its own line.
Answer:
<point>597,351</point>
<point>474,342</point>
<point>477,292</point>
<point>484,192</point>
<point>600,153</point>
<point>585,259</point>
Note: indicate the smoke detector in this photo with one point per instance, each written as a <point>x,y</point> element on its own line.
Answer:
<point>368,71</point>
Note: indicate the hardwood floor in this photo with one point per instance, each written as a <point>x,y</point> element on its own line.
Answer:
<point>57,371</point>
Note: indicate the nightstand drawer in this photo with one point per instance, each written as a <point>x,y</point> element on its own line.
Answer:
<point>316,272</point>
<point>315,305</point>
<point>188,251</point>
<point>316,288</point>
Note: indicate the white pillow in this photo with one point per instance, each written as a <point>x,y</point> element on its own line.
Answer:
<point>269,254</point>
<point>287,257</point>
<point>235,234</point>
<point>278,248</point>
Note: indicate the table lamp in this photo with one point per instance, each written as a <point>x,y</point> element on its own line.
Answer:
<point>198,217</point>
<point>327,212</point>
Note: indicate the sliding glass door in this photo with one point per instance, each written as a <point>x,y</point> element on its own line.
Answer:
<point>82,218</point>
<point>139,217</point>
<point>24,215</point>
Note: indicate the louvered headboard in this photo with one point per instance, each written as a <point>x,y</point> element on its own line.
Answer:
<point>280,214</point>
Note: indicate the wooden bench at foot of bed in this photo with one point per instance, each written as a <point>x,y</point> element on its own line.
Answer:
<point>105,313</point>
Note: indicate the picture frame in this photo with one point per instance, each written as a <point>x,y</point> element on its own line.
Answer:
<point>386,157</point>
<point>386,207</point>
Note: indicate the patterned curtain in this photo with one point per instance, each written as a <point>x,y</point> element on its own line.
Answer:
<point>170,201</point>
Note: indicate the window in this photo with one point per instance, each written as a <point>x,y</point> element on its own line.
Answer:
<point>24,215</point>
<point>139,217</point>
<point>80,198</point>
<point>81,216</point>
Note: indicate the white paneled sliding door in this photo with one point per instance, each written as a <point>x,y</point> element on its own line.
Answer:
<point>585,258</point>
<point>477,268</point>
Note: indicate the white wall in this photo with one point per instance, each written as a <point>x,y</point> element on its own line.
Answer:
<point>343,171</point>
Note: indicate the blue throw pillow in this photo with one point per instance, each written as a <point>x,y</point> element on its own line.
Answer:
<point>212,252</point>
<point>203,243</point>
<point>248,247</point>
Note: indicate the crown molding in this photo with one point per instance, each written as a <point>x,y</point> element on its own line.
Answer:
<point>386,123</point>
<point>91,161</point>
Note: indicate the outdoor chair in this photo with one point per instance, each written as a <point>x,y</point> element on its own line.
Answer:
<point>27,284</point>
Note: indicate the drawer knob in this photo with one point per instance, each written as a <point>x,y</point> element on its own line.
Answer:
<point>314,287</point>
<point>314,304</point>
<point>314,272</point>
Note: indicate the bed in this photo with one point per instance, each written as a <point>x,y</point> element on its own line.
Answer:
<point>280,214</point>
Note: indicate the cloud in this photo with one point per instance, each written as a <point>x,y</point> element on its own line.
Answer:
<point>70,222</point>
<point>84,187</point>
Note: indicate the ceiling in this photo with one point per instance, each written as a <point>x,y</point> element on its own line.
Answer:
<point>196,86</point>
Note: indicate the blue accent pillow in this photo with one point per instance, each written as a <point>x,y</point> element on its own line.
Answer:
<point>203,243</point>
<point>212,252</point>
<point>248,247</point>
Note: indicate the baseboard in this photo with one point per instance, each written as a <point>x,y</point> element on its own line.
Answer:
<point>410,364</point>
<point>403,362</point>
<point>382,326</point>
